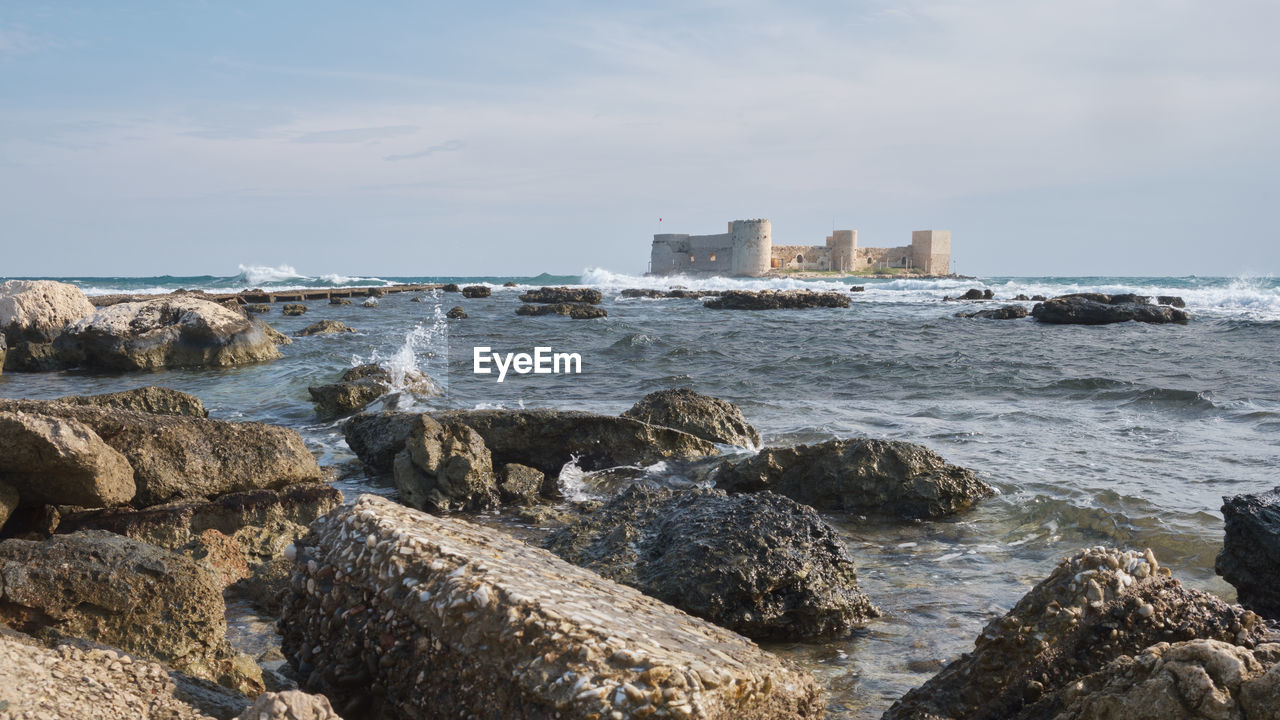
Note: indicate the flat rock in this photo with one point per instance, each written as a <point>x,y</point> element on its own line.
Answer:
<point>507,630</point>
<point>150,399</point>
<point>324,327</point>
<point>61,461</point>
<point>761,565</point>
<point>776,300</point>
<point>697,414</point>
<point>1005,312</point>
<point>1095,607</point>
<point>862,476</point>
<point>185,457</point>
<point>576,311</point>
<point>562,294</point>
<point>1101,309</point>
<point>1250,555</point>
<point>170,331</point>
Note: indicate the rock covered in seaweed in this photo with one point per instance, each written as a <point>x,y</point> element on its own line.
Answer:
<point>761,565</point>
<point>887,478</point>
<point>1250,555</point>
<point>1102,309</point>
<point>383,591</point>
<point>776,300</point>
<point>1005,312</point>
<point>575,311</point>
<point>562,294</point>
<point>476,291</point>
<point>697,414</point>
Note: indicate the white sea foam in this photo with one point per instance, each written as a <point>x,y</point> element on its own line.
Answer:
<point>264,275</point>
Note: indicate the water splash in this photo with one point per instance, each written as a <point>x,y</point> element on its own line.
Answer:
<point>425,351</point>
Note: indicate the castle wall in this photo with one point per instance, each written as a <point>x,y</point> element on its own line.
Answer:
<point>802,257</point>
<point>675,253</point>
<point>931,250</point>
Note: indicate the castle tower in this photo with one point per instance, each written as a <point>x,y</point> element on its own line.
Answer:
<point>931,251</point>
<point>842,245</point>
<point>752,246</point>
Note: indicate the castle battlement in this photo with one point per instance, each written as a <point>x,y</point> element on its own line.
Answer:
<point>747,249</point>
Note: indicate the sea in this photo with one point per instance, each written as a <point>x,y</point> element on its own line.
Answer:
<point>1123,435</point>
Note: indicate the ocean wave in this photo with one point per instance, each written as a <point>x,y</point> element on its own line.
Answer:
<point>266,275</point>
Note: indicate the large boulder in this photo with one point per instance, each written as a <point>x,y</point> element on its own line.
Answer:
<point>289,705</point>
<point>186,457</point>
<point>562,294</point>
<point>396,613</point>
<point>697,414</point>
<point>170,331</point>
<point>862,476</point>
<point>32,314</point>
<point>121,592</point>
<point>363,384</point>
<point>1096,606</point>
<point>476,291</point>
<point>776,300</point>
<point>61,461</point>
<point>761,565</point>
<point>445,466</point>
<point>150,399</point>
<point>1100,309</point>
<point>1192,680</point>
<point>1250,555</point>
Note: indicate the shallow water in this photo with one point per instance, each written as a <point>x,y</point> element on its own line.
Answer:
<point>1120,435</point>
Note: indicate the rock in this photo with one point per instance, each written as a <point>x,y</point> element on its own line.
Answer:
<point>38,310</point>
<point>1250,555</point>
<point>150,399</point>
<point>376,438</point>
<point>562,294</point>
<point>293,309</point>
<point>777,300</point>
<point>1038,298</point>
<point>1022,297</point>
<point>370,303</point>
<point>861,476</point>
<point>8,502</point>
<point>4,350</point>
<point>697,414</point>
<point>375,292</point>
<point>451,287</point>
<point>572,310</point>
<point>363,384</point>
<point>175,457</point>
<point>1006,312</point>
<point>339,301</point>
<point>445,466</point>
<point>456,313</point>
<point>520,484</point>
<point>290,705</point>
<point>1191,680</point>
<point>416,298</point>
<point>60,461</point>
<point>509,284</point>
<point>507,630</point>
<point>277,337</point>
<point>1172,300</point>
<point>761,565</point>
<point>1087,309</point>
<point>476,291</point>
<point>857,288</point>
<point>324,327</point>
<point>973,294</point>
<point>167,332</point>
<point>117,591</point>
<point>1096,606</point>
<point>258,308</point>
<point>643,293</point>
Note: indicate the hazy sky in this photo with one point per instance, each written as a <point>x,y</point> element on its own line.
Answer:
<point>1084,137</point>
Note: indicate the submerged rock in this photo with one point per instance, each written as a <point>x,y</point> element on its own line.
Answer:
<point>761,565</point>
<point>863,476</point>
<point>370,303</point>
<point>121,592</point>
<point>1250,555</point>
<point>576,311</point>
<point>1100,309</point>
<point>507,631</point>
<point>1095,607</point>
<point>777,300</point>
<point>293,309</point>
<point>339,301</point>
<point>170,331</point>
<point>697,414</point>
<point>61,461</point>
<point>562,294</point>
<point>456,313</point>
<point>445,466</point>
<point>324,327</point>
<point>1006,312</point>
<point>150,399</point>
<point>476,291</point>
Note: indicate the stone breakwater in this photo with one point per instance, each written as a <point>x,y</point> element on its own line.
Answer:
<point>393,612</point>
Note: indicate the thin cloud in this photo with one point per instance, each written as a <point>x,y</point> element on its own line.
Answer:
<point>357,135</point>
<point>450,146</point>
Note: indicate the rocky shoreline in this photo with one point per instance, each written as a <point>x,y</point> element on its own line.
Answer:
<point>129,520</point>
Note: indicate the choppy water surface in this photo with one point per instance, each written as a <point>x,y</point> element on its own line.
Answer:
<point>1121,435</point>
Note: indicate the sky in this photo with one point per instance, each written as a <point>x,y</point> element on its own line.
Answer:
<point>1126,137</point>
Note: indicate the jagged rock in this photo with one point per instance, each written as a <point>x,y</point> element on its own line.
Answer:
<point>573,310</point>
<point>1172,300</point>
<point>1006,312</point>
<point>761,565</point>
<point>8,502</point>
<point>293,309</point>
<point>697,414</point>
<point>324,327</point>
<point>1250,555</point>
<point>363,384</point>
<point>562,294</point>
<point>174,456</point>
<point>258,308</point>
<point>118,591</point>
<point>339,301</point>
<point>376,438</point>
<point>507,631</point>
<point>445,466</point>
<point>169,331</point>
<point>1102,309</point>
<point>38,310</point>
<point>451,287</point>
<point>862,476</point>
<point>60,461</point>
<point>520,484</point>
<point>456,313</point>
<point>1096,606</point>
<point>276,337</point>
<point>290,705</point>
<point>476,291</point>
<point>974,294</point>
<point>777,300</point>
<point>1193,680</point>
<point>150,399</point>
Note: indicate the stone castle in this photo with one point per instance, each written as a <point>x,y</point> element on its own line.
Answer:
<point>747,249</point>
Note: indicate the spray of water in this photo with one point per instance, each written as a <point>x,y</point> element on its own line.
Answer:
<point>424,351</point>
